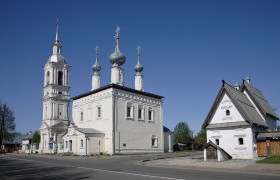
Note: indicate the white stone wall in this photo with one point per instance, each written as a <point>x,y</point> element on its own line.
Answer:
<point>168,141</point>
<point>89,106</point>
<point>228,140</point>
<point>220,114</point>
<point>134,135</point>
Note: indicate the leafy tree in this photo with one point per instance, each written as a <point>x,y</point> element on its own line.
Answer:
<point>182,133</point>
<point>7,124</point>
<point>36,138</point>
<point>200,139</point>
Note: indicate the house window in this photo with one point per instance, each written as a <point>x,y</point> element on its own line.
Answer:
<point>227,112</point>
<point>61,146</point>
<point>82,143</point>
<point>99,112</point>
<point>151,114</point>
<point>240,141</point>
<point>129,111</point>
<point>140,113</point>
<point>217,141</point>
<point>66,144</point>
<point>154,141</point>
<point>60,77</point>
<point>82,116</point>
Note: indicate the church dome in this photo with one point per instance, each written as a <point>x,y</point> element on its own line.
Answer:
<point>117,57</point>
<point>56,58</point>
<point>96,67</point>
<point>138,67</point>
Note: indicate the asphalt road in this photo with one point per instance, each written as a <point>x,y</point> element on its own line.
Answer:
<point>46,167</point>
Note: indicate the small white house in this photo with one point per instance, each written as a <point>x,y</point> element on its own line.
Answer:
<point>238,114</point>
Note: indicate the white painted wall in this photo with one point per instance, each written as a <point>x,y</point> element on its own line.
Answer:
<point>228,140</point>
<point>220,114</point>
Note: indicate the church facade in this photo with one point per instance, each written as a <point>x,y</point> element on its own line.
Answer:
<point>112,119</point>
<point>238,115</point>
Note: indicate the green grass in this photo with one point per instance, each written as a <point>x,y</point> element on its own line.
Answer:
<point>270,160</point>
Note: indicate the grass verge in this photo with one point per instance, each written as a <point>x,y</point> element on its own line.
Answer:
<point>270,160</point>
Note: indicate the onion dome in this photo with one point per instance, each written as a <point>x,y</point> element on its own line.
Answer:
<point>96,66</point>
<point>138,68</point>
<point>117,57</point>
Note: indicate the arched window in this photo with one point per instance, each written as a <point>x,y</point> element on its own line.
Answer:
<point>240,141</point>
<point>99,112</point>
<point>60,77</point>
<point>82,116</point>
<point>217,141</point>
<point>48,78</point>
<point>227,112</point>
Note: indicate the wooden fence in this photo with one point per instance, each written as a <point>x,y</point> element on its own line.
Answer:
<point>274,148</point>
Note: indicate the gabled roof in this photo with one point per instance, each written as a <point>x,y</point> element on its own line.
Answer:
<point>120,88</point>
<point>60,125</point>
<point>165,129</point>
<point>210,143</point>
<point>27,136</point>
<point>89,131</point>
<point>240,101</point>
<point>260,101</point>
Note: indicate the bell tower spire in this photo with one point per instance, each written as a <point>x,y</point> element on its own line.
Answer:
<point>138,76</point>
<point>96,78</point>
<point>56,45</point>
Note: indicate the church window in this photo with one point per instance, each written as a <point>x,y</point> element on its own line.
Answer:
<point>217,141</point>
<point>240,141</point>
<point>151,114</point>
<point>227,112</point>
<point>82,143</point>
<point>154,141</point>
<point>82,116</point>
<point>66,144</point>
<point>60,77</point>
<point>48,78</point>
<point>129,111</point>
<point>59,92</point>
<point>140,113</point>
<point>99,112</point>
<point>124,145</point>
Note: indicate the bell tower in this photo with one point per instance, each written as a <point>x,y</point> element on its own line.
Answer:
<point>55,99</point>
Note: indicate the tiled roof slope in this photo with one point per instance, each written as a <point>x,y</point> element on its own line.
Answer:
<point>259,100</point>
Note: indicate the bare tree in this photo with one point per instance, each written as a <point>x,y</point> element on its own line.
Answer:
<point>7,124</point>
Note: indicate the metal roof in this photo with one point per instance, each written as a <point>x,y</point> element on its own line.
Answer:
<point>120,88</point>
<point>259,100</point>
<point>89,131</point>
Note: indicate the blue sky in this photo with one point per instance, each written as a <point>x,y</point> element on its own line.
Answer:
<point>188,47</point>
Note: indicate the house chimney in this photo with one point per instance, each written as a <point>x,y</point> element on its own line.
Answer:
<point>247,79</point>
<point>236,86</point>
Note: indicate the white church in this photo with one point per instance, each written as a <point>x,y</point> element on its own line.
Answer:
<point>238,115</point>
<point>112,119</point>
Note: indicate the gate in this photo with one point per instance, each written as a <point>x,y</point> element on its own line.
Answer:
<point>211,153</point>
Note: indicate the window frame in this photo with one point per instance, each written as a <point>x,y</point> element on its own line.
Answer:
<point>129,111</point>
<point>154,141</point>
<point>151,114</point>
